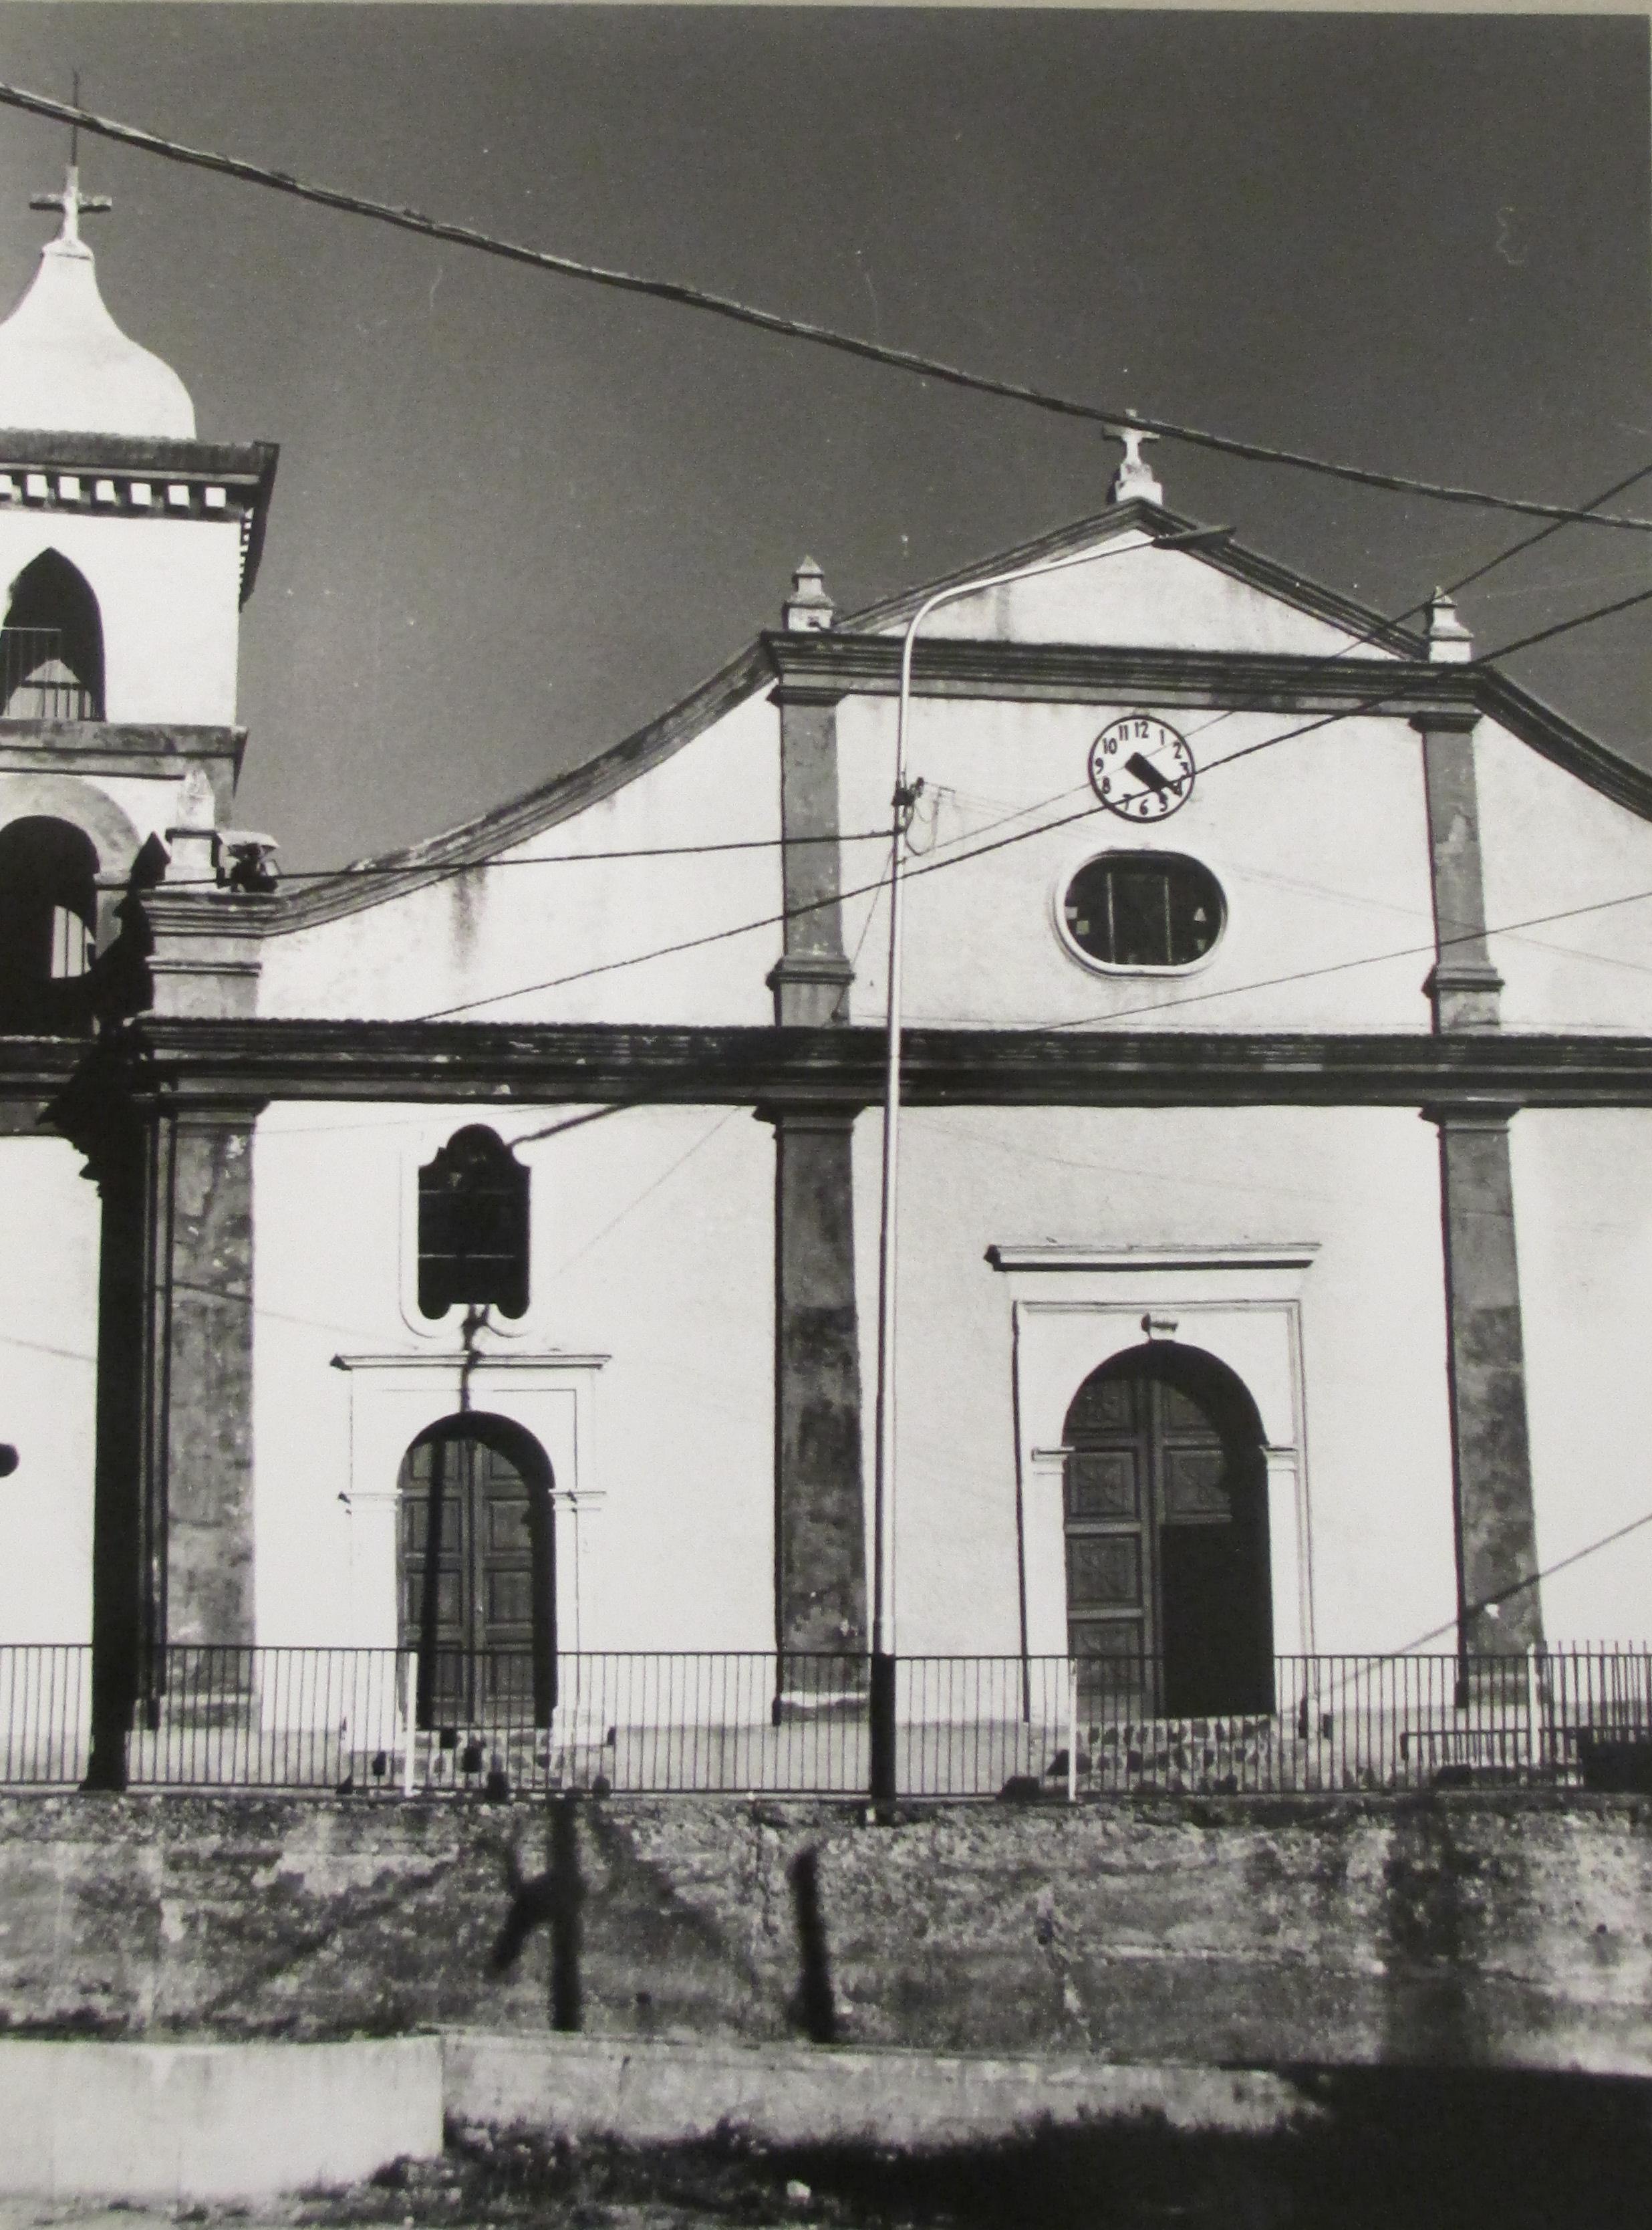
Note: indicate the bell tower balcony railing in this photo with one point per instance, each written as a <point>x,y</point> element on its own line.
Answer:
<point>36,683</point>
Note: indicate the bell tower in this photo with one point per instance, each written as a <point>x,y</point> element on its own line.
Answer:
<point>127,548</point>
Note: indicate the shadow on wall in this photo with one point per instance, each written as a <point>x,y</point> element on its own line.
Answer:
<point>555,1900</point>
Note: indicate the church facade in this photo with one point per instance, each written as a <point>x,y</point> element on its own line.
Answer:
<point>481,1243</point>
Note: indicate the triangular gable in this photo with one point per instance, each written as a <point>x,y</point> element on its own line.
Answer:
<point>1220,597</point>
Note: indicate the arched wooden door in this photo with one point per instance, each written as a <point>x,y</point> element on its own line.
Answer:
<point>1169,1597</point>
<point>476,1569</point>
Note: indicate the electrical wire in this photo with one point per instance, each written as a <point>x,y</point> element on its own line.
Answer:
<point>1455,587</point>
<point>444,870</point>
<point>1519,1587</point>
<point>697,298</point>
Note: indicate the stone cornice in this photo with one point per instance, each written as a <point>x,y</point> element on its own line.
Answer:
<point>179,1059</point>
<point>1554,738</point>
<point>249,464</point>
<point>144,476</point>
<point>33,1068</point>
<point>1088,674</point>
<point>113,747</point>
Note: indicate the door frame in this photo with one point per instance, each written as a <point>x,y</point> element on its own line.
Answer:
<point>393,1398</point>
<point>1075,1309</point>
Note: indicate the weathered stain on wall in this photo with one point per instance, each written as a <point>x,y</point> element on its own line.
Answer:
<point>1474,1928</point>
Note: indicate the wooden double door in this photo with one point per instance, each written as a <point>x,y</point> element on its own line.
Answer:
<point>1169,1606</point>
<point>477,1577</point>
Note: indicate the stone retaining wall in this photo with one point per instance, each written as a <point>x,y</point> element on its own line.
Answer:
<point>1485,1928</point>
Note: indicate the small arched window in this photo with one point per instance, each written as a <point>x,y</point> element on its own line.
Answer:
<point>48,899</point>
<point>473,1226</point>
<point>1143,910</point>
<point>51,646</point>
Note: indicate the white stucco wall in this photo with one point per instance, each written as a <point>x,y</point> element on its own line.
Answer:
<point>49,1240</point>
<point>1134,592</point>
<point>1319,844</point>
<point>168,593</point>
<point>472,937</point>
<point>1583,1205</point>
<point>1374,1437</point>
<point>1549,843</point>
<point>652,1270</point>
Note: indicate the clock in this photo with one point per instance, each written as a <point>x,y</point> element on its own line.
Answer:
<point>1140,769</point>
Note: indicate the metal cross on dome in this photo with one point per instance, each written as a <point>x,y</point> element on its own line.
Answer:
<point>74,203</point>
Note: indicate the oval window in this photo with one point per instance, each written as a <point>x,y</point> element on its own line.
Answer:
<point>1143,910</point>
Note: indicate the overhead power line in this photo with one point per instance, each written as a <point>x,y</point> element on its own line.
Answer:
<point>746,313</point>
<point>1565,627</point>
<point>1463,581</point>
<point>443,870</point>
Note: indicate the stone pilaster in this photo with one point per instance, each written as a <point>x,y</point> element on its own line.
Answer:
<point>1496,1533</point>
<point>198,1456</point>
<point>205,951</point>
<point>1463,985</point>
<point>819,1509</point>
<point>810,980</point>
<point>1491,1459</point>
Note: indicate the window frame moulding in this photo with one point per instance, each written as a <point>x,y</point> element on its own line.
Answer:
<point>1017,1257</point>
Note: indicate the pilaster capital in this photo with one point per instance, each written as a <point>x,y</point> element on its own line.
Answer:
<point>801,1112</point>
<point>801,691</point>
<point>809,988</point>
<point>1447,721</point>
<point>1471,1114</point>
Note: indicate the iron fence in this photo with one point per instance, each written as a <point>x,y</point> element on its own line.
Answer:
<point>382,1722</point>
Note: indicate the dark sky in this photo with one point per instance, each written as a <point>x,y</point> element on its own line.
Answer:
<point>516,516</point>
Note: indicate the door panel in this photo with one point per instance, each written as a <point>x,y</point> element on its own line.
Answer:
<point>476,1580</point>
<point>1165,1550</point>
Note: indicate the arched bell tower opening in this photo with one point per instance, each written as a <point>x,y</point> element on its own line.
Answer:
<point>48,877</point>
<point>51,645</point>
<point>1169,1595</point>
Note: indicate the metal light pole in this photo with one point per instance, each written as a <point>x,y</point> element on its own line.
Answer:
<point>881,1699</point>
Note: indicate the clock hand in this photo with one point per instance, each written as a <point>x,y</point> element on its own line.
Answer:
<point>1144,770</point>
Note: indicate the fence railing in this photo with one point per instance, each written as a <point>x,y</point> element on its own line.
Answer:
<point>386,1722</point>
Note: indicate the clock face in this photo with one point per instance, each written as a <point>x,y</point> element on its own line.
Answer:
<point>1140,769</point>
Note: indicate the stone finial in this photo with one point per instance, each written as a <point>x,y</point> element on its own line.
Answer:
<point>808,608</point>
<point>1449,643</point>
<point>1135,477</point>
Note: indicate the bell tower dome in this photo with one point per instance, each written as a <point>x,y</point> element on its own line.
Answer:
<point>64,362</point>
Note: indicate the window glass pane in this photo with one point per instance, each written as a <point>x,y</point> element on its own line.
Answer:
<point>473,1226</point>
<point>1143,910</point>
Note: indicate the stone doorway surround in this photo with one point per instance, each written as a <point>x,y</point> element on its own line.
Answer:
<point>1074,1307</point>
<point>393,1398</point>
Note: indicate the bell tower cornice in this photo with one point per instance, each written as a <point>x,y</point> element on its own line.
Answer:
<point>142,476</point>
